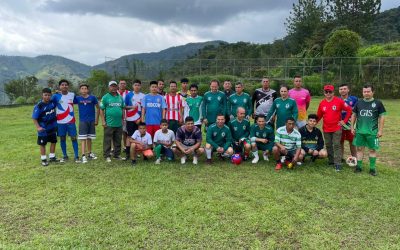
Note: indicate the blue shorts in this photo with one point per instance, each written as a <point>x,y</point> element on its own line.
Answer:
<point>69,128</point>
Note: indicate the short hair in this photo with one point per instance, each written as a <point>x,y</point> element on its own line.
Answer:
<point>189,119</point>
<point>163,121</point>
<point>63,80</point>
<point>313,116</point>
<point>193,85</point>
<point>184,80</point>
<point>137,81</point>
<point>290,119</point>
<point>84,85</point>
<point>368,85</point>
<point>153,83</point>
<point>172,82</point>
<point>46,90</point>
<point>283,86</point>
<point>344,85</point>
<point>160,80</point>
<point>122,80</point>
<point>239,83</point>
<point>220,114</point>
<point>141,124</point>
<point>297,76</point>
<point>214,80</point>
<point>260,116</point>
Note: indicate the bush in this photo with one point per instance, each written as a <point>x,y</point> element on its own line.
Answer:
<point>20,100</point>
<point>342,43</point>
<point>32,100</point>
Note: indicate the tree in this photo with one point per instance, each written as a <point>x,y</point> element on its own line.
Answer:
<point>98,81</point>
<point>24,87</point>
<point>342,43</point>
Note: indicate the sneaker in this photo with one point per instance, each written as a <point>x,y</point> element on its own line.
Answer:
<point>92,156</point>
<point>120,158</point>
<point>133,163</point>
<point>338,167</point>
<point>84,159</point>
<point>265,157</point>
<point>278,166</point>
<point>45,163</point>
<point>208,162</point>
<point>373,172</point>
<point>183,160</point>
<point>77,160</point>
<point>283,158</point>
<point>255,160</point>
<point>357,170</point>
<point>246,158</point>
<point>53,159</point>
<point>108,159</point>
<point>158,161</point>
<point>64,159</point>
<point>299,163</point>
<point>195,160</point>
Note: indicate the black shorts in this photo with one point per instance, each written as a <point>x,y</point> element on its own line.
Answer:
<point>43,140</point>
<point>131,127</point>
<point>87,130</point>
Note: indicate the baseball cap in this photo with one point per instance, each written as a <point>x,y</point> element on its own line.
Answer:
<point>329,87</point>
<point>112,83</point>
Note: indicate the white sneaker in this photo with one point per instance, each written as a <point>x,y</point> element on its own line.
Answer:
<point>92,156</point>
<point>265,157</point>
<point>183,160</point>
<point>108,159</point>
<point>195,160</point>
<point>283,158</point>
<point>255,160</point>
<point>299,163</point>
<point>158,161</point>
<point>84,159</point>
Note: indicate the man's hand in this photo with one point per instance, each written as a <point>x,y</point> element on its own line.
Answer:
<point>205,121</point>
<point>39,129</point>
<point>220,150</point>
<point>379,134</point>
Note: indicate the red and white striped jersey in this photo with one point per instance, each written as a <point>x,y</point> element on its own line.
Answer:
<point>174,106</point>
<point>123,93</point>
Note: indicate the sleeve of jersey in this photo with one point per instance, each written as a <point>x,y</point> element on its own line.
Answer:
<point>277,137</point>
<point>249,108</point>
<point>209,138</point>
<point>295,110</point>
<point>271,136</point>
<point>270,112</point>
<point>224,104</point>
<point>320,144</point>
<point>203,107</point>
<point>156,135</point>
<point>164,103</point>
<point>381,109</point>
<point>149,140</point>
<point>319,113</point>
<point>128,99</point>
<point>228,142</point>
<point>35,113</point>
<point>103,103</point>
<point>228,106</point>
<point>298,142</point>
<point>347,108</point>
<point>172,136</point>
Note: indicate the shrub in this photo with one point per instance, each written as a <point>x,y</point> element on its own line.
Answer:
<point>20,100</point>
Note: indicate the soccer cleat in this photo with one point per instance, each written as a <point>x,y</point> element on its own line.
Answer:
<point>357,170</point>
<point>265,157</point>
<point>108,159</point>
<point>84,159</point>
<point>195,160</point>
<point>92,156</point>
<point>158,161</point>
<point>53,159</point>
<point>208,162</point>
<point>183,160</point>
<point>278,166</point>
<point>77,160</point>
<point>373,172</point>
<point>45,163</point>
<point>255,160</point>
<point>338,167</point>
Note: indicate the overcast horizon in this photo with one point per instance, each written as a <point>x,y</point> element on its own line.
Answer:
<point>87,31</point>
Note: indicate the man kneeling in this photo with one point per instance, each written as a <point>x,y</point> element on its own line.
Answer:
<point>262,138</point>
<point>141,142</point>
<point>188,141</point>
<point>312,142</point>
<point>218,139</point>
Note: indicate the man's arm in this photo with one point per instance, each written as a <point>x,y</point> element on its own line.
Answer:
<point>295,111</point>
<point>228,140</point>
<point>97,114</point>
<point>38,127</point>
<point>348,110</point>
<point>103,119</point>
<point>209,139</point>
<point>381,121</point>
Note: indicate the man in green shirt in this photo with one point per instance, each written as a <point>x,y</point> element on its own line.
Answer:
<point>111,113</point>
<point>262,138</point>
<point>194,102</point>
<point>239,99</point>
<point>368,118</point>
<point>240,129</point>
<point>214,102</point>
<point>283,108</point>
<point>218,139</point>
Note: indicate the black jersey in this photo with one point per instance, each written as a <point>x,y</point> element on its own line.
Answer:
<point>263,100</point>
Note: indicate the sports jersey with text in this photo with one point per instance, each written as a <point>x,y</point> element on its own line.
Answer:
<point>194,105</point>
<point>65,107</point>
<point>263,100</point>
<point>87,112</point>
<point>188,138</point>
<point>154,105</point>
<point>214,103</point>
<point>135,100</point>
<point>219,137</point>
<point>367,113</point>
<point>45,114</point>
<point>235,101</point>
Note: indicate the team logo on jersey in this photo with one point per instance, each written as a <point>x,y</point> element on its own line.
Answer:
<point>215,134</point>
<point>351,103</point>
<point>373,105</point>
<point>277,105</point>
<point>264,134</point>
<point>158,100</point>
<point>234,100</point>
<point>244,127</point>
<point>219,98</point>
<point>334,107</point>
<point>223,134</point>
<point>244,100</point>
<point>324,108</point>
<point>235,128</point>
<point>287,105</point>
<point>209,98</point>
<point>257,134</point>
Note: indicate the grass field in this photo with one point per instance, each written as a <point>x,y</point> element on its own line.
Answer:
<point>101,205</point>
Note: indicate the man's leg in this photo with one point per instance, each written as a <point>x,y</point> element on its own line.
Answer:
<point>107,142</point>
<point>337,152</point>
<point>117,137</point>
<point>329,147</point>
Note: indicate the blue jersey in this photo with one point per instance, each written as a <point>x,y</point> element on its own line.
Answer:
<point>153,104</point>
<point>351,101</point>
<point>45,114</point>
<point>87,112</point>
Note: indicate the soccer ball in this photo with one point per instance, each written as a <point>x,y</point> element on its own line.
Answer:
<point>351,161</point>
<point>236,159</point>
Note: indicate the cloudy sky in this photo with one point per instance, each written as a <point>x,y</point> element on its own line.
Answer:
<point>90,30</point>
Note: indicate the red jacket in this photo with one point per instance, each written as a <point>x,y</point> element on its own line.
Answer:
<point>331,112</point>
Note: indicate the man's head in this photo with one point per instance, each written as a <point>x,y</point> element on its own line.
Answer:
<point>122,85</point>
<point>239,88</point>
<point>142,128</point>
<point>297,82</point>
<point>368,91</point>
<point>344,89</point>
<point>154,87</point>
<point>261,121</point>
<point>214,85</point>
<point>240,113</point>
<point>220,120</point>
<point>189,123</point>
<point>84,89</point>
<point>46,95</point>
<point>290,123</point>
<point>112,87</point>
<point>193,90</point>
<point>184,83</point>
<point>164,125</point>
<point>160,83</point>
<point>329,91</point>
<point>283,90</point>
<point>63,85</point>
<point>312,120</point>
<point>172,87</point>
<point>265,83</point>
<point>137,85</point>
<point>227,85</point>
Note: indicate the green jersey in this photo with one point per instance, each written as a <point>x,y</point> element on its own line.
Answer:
<point>283,109</point>
<point>367,113</point>
<point>113,107</point>
<point>219,137</point>
<point>214,103</point>
<point>194,104</point>
<point>262,133</point>
<point>239,129</point>
<point>235,101</point>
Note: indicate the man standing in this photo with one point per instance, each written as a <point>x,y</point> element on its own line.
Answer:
<point>282,108</point>
<point>160,84</point>
<point>184,92</point>
<point>240,130</point>
<point>228,92</point>
<point>239,99</point>
<point>66,119</point>
<point>122,91</point>
<point>111,113</point>
<point>368,115</point>
<point>346,129</point>
<point>330,109</point>
<point>194,103</point>
<point>218,139</point>
<point>174,101</point>
<point>263,99</point>
<point>214,102</point>
<point>188,141</point>
<point>153,109</point>
<point>303,98</point>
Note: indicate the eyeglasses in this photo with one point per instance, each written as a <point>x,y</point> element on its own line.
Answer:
<point>328,92</point>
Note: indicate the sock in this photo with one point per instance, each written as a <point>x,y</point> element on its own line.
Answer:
<point>255,153</point>
<point>52,155</point>
<point>372,163</point>
<point>208,153</point>
<point>43,157</point>
<point>75,146</point>
<point>246,154</point>
<point>157,151</point>
<point>359,164</point>
<point>128,151</point>
<point>63,144</point>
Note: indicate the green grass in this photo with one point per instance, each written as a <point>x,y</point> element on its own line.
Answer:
<point>101,205</point>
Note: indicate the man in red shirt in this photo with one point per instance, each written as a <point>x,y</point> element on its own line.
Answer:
<point>330,109</point>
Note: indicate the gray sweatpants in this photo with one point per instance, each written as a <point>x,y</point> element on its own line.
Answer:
<point>332,142</point>
<point>113,134</point>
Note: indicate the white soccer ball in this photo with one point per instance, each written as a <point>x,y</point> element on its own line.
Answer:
<point>351,161</point>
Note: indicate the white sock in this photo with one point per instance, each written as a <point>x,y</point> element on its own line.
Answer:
<point>52,155</point>
<point>255,153</point>
<point>43,157</point>
<point>208,153</point>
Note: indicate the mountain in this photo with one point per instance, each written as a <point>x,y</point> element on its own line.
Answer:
<point>386,26</point>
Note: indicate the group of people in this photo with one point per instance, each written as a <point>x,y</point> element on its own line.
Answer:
<point>164,125</point>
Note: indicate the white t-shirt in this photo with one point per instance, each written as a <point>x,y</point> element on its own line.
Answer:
<point>146,139</point>
<point>167,138</point>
